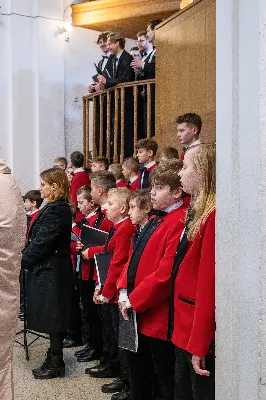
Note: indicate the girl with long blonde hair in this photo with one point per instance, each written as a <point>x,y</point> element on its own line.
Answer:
<point>193,284</point>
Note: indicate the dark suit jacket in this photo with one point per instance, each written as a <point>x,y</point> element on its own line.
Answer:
<point>124,73</point>
<point>149,67</point>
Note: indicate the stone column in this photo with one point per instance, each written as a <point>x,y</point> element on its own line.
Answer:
<point>241,200</point>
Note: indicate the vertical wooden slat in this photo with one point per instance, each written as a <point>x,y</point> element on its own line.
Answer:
<point>135,91</point>
<point>87,139</point>
<point>116,125</point>
<point>94,149</point>
<point>85,129</point>
<point>148,110</point>
<point>108,130</point>
<point>122,145</point>
<point>101,126</point>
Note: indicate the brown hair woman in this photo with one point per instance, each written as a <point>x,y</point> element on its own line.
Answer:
<point>47,260</point>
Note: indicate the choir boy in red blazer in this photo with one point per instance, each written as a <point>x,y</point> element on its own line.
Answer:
<point>148,286</point>
<point>80,178</point>
<point>116,169</point>
<point>130,170</point>
<point>192,316</point>
<point>146,152</point>
<point>101,183</point>
<point>119,243</point>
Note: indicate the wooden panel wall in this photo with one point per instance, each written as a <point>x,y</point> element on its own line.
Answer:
<point>186,71</point>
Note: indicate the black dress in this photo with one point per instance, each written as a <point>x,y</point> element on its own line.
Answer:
<point>47,259</point>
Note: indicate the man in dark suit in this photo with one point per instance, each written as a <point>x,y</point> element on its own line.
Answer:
<point>96,87</point>
<point>119,71</point>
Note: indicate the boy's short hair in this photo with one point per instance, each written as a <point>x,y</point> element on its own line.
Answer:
<point>34,195</point>
<point>132,164</point>
<point>104,180</point>
<point>77,159</point>
<point>191,119</point>
<point>102,36</point>
<point>117,37</point>
<point>116,169</point>
<point>167,173</point>
<point>85,190</point>
<point>142,33</point>
<point>153,23</point>
<point>61,160</point>
<point>123,195</point>
<point>102,161</point>
<point>169,152</point>
<point>147,144</point>
<point>143,199</point>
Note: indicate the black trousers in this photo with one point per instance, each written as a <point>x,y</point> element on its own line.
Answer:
<point>91,322</point>
<point>116,358</point>
<point>56,343</point>
<point>188,384</point>
<point>151,370</point>
<point>75,317</point>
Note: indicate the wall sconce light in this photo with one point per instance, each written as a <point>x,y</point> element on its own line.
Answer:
<point>67,27</point>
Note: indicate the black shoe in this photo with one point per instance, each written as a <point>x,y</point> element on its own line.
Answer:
<point>45,363</point>
<point>124,395</point>
<point>54,369</point>
<point>88,356</point>
<point>101,372</point>
<point>116,386</point>
<point>68,343</point>
<point>84,350</point>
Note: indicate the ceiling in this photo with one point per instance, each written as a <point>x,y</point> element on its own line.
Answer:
<point>126,16</point>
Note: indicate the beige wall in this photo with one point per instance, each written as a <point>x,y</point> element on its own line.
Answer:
<point>185,74</point>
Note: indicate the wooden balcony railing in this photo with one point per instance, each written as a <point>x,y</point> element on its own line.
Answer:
<point>104,116</point>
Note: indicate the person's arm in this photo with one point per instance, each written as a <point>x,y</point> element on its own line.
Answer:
<point>43,243</point>
<point>117,264</point>
<point>155,288</point>
<point>203,330</point>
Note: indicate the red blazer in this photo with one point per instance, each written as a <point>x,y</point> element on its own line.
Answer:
<point>149,170</point>
<point>32,219</point>
<point>121,184</point>
<point>134,185</point>
<point>194,293</point>
<point>152,284</point>
<point>79,179</point>
<point>119,244</point>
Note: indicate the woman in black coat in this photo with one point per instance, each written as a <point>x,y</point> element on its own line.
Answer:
<point>47,260</point>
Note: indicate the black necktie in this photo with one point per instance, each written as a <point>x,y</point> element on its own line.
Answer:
<point>115,66</point>
<point>144,54</point>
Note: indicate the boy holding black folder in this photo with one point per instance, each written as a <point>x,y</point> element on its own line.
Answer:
<point>148,286</point>
<point>101,182</point>
<point>118,242</point>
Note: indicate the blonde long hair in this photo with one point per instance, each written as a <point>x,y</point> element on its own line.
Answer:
<point>57,176</point>
<point>204,160</point>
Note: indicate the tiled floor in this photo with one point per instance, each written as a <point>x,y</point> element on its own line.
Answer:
<point>75,386</point>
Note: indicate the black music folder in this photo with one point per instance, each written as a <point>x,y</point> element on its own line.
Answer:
<point>128,332</point>
<point>102,263</point>
<point>92,237</point>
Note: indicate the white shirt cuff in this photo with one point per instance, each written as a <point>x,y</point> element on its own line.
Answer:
<point>103,299</point>
<point>122,295</point>
<point>98,287</point>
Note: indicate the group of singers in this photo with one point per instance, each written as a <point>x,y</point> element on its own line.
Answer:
<point>160,220</point>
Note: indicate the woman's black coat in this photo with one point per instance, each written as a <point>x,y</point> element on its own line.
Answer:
<point>47,261</point>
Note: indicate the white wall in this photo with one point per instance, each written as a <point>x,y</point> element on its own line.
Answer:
<point>43,78</point>
<point>31,87</point>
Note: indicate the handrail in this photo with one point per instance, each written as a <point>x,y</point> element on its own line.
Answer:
<point>104,114</point>
<point>120,85</point>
